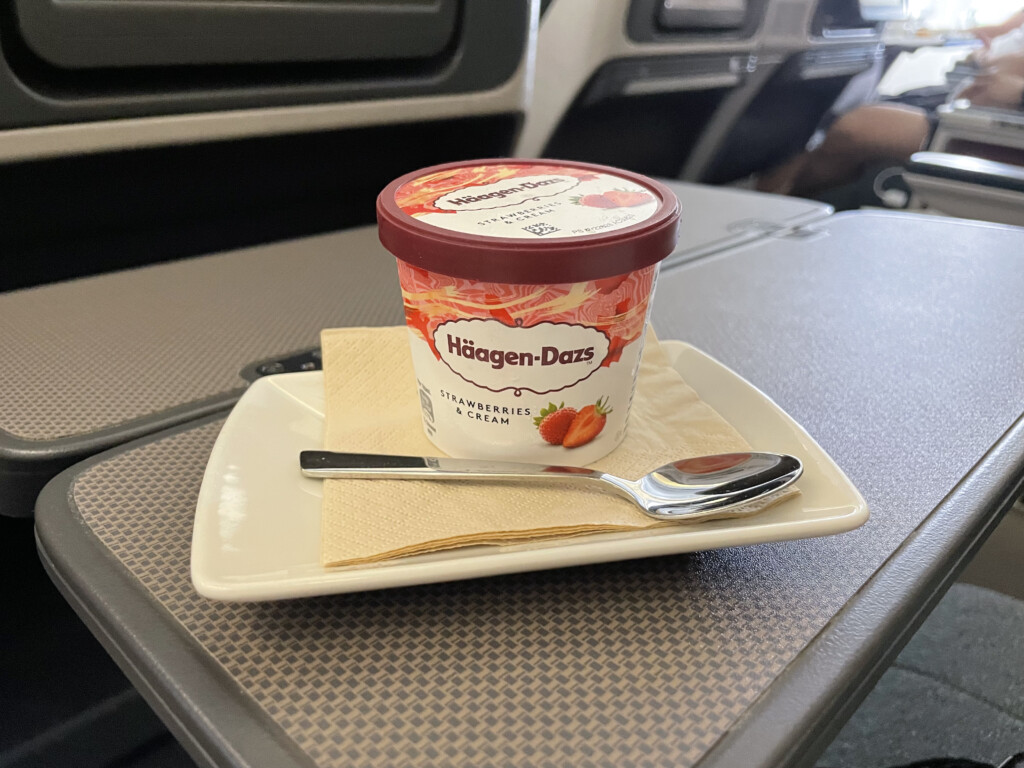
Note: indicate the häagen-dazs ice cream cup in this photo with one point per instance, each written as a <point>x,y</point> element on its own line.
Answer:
<point>527,287</point>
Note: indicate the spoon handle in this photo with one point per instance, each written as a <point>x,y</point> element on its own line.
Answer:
<point>329,464</point>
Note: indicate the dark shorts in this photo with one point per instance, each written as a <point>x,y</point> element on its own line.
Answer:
<point>933,123</point>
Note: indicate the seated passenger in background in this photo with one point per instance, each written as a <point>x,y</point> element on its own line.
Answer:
<point>890,133</point>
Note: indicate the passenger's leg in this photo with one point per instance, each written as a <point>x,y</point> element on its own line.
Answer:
<point>865,136</point>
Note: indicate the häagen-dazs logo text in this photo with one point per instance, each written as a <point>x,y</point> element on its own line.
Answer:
<point>504,193</point>
<point>546,357</point>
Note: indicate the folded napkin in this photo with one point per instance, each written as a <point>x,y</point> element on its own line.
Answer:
<point>372,406</point>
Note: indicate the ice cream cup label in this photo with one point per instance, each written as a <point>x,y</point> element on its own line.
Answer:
<point>548,357</point>
<point>540,373</point>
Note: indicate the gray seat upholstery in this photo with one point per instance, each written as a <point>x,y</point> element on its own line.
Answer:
<point>956,690</point>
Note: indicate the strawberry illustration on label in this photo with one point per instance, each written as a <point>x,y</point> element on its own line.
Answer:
<point>595,201</point>
<point>623,199</point>
<point>554,422</point>
<point>613,198</point>
<point>587,424</point>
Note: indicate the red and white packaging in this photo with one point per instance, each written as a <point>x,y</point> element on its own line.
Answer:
<point>527,288</point>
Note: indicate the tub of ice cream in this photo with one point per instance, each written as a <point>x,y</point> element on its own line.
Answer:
<point>527,288</point>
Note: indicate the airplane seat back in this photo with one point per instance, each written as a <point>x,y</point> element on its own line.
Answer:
<point>782,118</point>
<point>132,133</point>
<point>637,83</point>
<point>814,56</point>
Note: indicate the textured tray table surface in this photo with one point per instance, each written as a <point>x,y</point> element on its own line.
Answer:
<point>636,664</point>
<point>118,347</point>
<point>897,348</point>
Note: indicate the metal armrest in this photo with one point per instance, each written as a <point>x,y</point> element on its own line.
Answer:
<point>961,109</point>
<point>995,134</point>
<point>970,170</point>
<point>960,185</point>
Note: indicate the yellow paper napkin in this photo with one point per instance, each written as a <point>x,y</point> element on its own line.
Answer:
<point>372,406</point>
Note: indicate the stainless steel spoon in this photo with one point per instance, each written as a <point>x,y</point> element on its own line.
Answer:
<point>687,489</point>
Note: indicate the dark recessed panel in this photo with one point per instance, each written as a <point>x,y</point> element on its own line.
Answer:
<point>387,51</point>
<point>130,33</point>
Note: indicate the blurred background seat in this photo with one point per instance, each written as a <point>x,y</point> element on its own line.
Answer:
<point>139,132</point>
<point>974,166</point>
<point>704,92</point>
<point>815,59</point>
<point>637,84</point>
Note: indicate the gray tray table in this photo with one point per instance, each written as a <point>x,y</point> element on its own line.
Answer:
<point>93,363</point>
<point>892,338</point>
<point>715,219</point>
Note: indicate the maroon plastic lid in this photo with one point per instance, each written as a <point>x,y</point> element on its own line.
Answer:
<point>528,221</point>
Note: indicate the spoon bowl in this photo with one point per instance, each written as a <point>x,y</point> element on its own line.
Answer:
<point>687,489</point>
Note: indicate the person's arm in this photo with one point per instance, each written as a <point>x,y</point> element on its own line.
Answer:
<point>996,89</point>
<point>989,33</point>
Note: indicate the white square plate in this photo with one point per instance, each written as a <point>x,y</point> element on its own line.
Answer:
<point>257,525</point>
